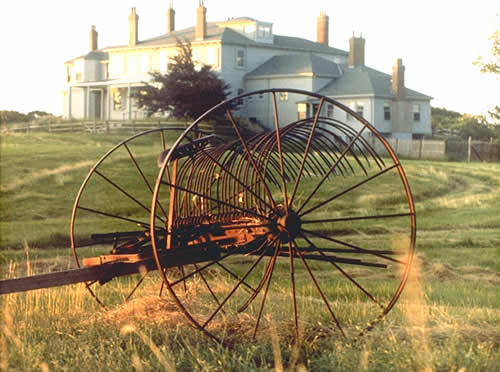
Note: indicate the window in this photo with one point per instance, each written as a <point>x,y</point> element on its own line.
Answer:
<point>163,62</point>
<point>416,112</point>
<point>387,111</point>
<point>211,56</point>
<point>283,96</point>
<point>115,66</point>
<point>144,63</point>
<point>302,110</point>
<point>117,99</point>
<point>240,92</point>
<point>360,108</point>
<point>315,109</point>
<point>240,58</point>
<point>329,110</point>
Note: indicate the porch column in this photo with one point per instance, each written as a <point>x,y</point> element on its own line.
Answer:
<point>129,102</point>
<point>69,102</point>
<point>87,104</point>
<point>108,102</point>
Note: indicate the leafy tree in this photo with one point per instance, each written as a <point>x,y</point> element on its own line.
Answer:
<point>37,114</point>
<point>476,127</point>
<point>7,116</point>
<point>443,119</point>
<point>186,91</point>
<point>453,124</point>
<point>492,65</point>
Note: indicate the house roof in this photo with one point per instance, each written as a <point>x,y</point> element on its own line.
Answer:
<point>95,55</point>
<point>363,80</point>
<point>296,64</point>
<point>229,36</point>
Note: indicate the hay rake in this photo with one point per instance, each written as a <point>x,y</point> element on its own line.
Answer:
<point>309,221</point>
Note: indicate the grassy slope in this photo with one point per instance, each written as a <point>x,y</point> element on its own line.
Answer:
<point>448,318</point>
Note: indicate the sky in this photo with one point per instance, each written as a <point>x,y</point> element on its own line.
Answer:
<point>437,40</point>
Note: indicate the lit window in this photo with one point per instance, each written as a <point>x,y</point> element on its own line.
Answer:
<point>329,110</point>
<point>416,112</point>
<point>211,56</point>
<point>115,66</point>
<point>283,96</point>
<point>387,111</point>
<point>240,58</point>
<point>302,110</point>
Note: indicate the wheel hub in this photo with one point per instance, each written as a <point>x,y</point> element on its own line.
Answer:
<point>289,225</point>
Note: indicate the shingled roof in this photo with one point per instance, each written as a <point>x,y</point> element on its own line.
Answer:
<point>215,32</point>
<point>296,64</point>
<point>363,80</point>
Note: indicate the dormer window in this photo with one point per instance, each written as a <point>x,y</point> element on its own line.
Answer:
<point>264,31</point>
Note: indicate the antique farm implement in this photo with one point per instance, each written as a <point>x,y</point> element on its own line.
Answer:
<point>311,215</point>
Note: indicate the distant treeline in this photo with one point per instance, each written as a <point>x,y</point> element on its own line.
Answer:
<point>7,116</point>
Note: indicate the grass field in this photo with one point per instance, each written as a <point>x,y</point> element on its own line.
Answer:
<point>447,319</point>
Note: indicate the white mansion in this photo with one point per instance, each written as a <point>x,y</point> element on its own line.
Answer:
<point>248,56</point>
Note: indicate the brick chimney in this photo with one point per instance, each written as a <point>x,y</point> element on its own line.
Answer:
<point>201,22</point>
<point>356,51</point>
<point>322,28</point>
<point>398,79</point>
<point>93,39</point>
<point>133,20</point>
<point>171,18</point>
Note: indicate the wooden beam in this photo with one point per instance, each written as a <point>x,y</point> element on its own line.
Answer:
<point>106,272</point>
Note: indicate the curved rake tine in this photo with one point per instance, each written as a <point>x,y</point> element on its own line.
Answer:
<point>137,285</point>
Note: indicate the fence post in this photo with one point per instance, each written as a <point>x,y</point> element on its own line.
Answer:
<point>469,146</point>
<point>421,148</point>
<point>107,126</point>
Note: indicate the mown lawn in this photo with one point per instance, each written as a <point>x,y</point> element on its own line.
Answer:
<point>447,319</point>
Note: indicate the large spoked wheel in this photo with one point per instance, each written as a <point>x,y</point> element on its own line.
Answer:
<point>111,212</point>
<point>313,218</point>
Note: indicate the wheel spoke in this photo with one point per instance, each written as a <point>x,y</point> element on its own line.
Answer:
<point>354,247</point>
<point>127,194</point>
<point>269,268</point>
<point>140,223</point>
<point>345,274</point>
<point>206,284</point>
<point>233,290</point>
<point>137,285</point>
<point>348,190</point>
<point>236,277</point>
<point>306,151</point>
<point>343,219</point>
<point>292,288</point>
<point>134,160</point>
<point>325,300</point>
<point>264,296</point>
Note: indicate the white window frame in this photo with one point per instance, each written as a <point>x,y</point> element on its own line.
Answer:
<point>387,111</point>
<point>330,109</point>
<point>240,61</point>
<point>416,112</point>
